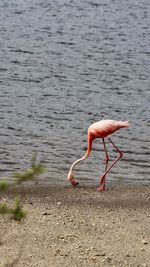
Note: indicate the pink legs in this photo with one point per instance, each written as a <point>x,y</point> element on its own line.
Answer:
<point>103,177</point>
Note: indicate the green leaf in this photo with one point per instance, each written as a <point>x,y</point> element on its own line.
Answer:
<point>4,209</point>
<point>18,212</point>
<point>24,176</point>
<point>4,185</point>
<point>31,173</point>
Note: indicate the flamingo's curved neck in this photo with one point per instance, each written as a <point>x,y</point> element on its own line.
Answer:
<point>90,139</point>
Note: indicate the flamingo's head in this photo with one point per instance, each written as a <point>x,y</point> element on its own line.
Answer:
<point>71,178</point>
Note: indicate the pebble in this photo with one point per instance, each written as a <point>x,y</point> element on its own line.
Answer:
<point>103,254</point>
<point>57,252</point>
<point>46,213</point>
<point>110,210</point>
<point>100,254</point>
<point>108,259</point>
<point>93,258</point>
<point>144,242</point>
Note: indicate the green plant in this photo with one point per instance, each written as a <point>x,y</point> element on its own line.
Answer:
<point>30,174</point>
<point>17,213</point>
<point>4,185</point>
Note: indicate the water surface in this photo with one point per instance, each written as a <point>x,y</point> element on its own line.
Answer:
<point>64,65</point>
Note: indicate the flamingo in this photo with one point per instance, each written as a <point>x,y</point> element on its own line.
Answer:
<point>100,129</point>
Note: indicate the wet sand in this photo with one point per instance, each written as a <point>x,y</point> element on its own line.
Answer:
<point>80,226</point>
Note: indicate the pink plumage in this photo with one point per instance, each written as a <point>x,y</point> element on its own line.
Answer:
<point>104,128</point>
<point>100,129</point>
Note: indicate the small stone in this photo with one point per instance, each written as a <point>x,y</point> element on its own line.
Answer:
<point>102,254</point>
<point>57,251</point>
<point>109,210</point>
<point>93,258</point>
<point>144,242</point>
<point>108,259</point>
<point>46,213</point>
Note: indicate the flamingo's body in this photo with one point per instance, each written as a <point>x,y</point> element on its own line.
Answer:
<point>100,129</point>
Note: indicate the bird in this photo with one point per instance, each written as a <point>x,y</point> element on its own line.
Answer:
<point>100,129</point>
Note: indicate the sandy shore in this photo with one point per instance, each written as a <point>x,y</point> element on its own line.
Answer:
<point>78,227</point>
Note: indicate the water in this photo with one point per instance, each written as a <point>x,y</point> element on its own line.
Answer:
<point>64,65</point>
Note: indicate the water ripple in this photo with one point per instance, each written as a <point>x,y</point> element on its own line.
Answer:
<point>64,65</point>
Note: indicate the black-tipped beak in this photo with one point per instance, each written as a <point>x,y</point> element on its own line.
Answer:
<point>74,183</point>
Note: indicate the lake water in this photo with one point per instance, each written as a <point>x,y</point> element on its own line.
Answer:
<point>65,64</point>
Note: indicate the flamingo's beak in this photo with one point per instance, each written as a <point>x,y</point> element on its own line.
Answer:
<point>74,183</point>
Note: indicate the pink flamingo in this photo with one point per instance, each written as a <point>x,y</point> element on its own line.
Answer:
<point>100,129</point>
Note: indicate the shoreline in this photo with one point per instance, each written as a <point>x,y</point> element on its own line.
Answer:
<point>123,196</point>
<point>79,226</point>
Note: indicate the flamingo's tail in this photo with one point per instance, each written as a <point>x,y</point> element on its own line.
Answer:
<point>125,124</point>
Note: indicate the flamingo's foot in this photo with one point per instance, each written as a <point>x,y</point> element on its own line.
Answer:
<point>101,188</point>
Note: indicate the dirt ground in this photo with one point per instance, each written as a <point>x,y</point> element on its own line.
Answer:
<point>78,227</point>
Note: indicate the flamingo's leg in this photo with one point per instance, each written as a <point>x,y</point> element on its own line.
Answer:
<point>102,178</point>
